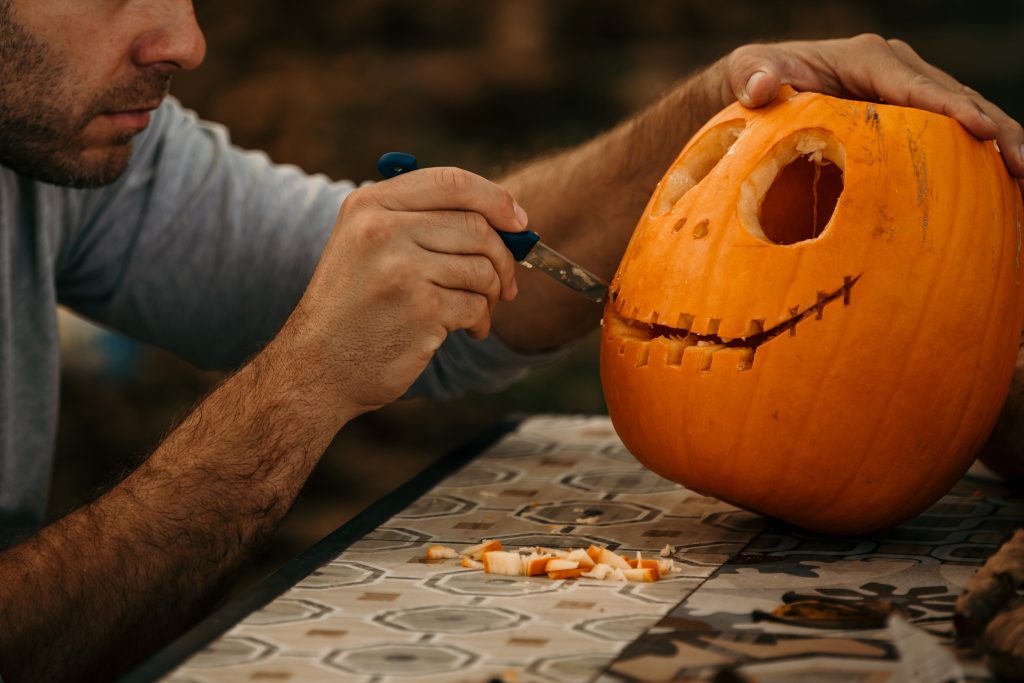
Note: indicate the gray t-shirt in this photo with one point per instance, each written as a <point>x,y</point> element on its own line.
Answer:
<point>200,248</point>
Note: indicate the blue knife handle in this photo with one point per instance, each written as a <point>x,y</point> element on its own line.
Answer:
<point>391,164</point>
<point>519,243</point>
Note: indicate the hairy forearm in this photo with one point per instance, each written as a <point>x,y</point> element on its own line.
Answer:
<point>108,583</point>
<point>585,202</point>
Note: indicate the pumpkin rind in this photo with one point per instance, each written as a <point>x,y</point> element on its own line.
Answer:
<point>888,340</point>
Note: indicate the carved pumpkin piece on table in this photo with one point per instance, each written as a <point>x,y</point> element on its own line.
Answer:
<point>818,313</point>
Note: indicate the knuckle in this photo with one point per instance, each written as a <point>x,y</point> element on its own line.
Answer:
<point>487,276</point>
<point>453,181</point>
<point>920,80</point>
<point>482,274</point>
<point>359,198</point>
<point>743,52</point>
<point>899,45</point>
<point>390,286</point>
<point>482,309</point>
<point>475,224</point>
<point>429,304</point>
<point>373,233</point>
<point>491,283</point>
<point>871,40</point>
<point>744,58</point>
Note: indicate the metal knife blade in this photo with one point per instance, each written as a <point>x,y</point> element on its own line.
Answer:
<point>569,273</point>
<point>525,246</point>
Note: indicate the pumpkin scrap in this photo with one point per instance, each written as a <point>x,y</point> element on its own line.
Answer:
<point>595,562</point>
<point>470,563</point>
<point>477,551</point>
<point>502,562</point>
<point>440,552</point>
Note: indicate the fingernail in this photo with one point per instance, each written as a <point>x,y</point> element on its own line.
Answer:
<point>985,117</point>
<point>520,214</point>
<point>1020,151</point>
<point>752,82</point>
<point>515,289</point>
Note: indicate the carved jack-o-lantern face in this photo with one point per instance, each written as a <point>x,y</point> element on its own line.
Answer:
<point>818,313</point>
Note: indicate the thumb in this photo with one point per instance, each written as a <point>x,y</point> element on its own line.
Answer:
<point>756,72</point>
<point>759,88</point>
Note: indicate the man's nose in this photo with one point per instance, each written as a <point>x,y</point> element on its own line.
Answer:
<point>173,37</point>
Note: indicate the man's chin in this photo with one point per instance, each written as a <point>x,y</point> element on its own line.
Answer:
<point>89,168</point>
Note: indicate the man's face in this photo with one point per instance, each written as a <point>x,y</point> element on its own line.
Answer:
<point>79,78</point>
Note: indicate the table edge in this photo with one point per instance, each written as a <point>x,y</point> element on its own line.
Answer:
<point>228,615</point>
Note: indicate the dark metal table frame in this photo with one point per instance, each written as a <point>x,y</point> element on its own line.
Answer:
<point>275,585</point>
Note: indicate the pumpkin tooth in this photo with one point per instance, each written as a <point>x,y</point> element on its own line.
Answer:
<point>698,357</point>
<point>636,352</point>
<point>685,321</point>
<point>730,359</point>
<point>755,327</point>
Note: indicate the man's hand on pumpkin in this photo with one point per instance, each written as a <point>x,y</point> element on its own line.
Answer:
<point>868,67</point>
<point>410,260</point>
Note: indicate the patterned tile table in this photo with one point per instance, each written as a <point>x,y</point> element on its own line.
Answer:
<point>365,606</point>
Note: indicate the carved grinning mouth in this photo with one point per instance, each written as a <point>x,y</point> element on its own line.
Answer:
<point>683,338</point>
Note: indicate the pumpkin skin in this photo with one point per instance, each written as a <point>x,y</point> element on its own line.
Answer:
<point>838,371</point>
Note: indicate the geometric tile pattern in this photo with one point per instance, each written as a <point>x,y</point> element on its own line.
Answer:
<point>919,567</point>
<point>380,612</point>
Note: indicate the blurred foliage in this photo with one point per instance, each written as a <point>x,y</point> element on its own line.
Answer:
<point>331,85</point>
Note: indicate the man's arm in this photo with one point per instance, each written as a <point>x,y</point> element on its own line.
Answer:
<point>409,261</point>
<point>119,576</point>
<point>586,201</point>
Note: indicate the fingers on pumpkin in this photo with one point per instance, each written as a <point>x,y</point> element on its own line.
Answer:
<point>916,83</point>
<point>759,88</point>
<point>991,121</point>
<point>753,75</point>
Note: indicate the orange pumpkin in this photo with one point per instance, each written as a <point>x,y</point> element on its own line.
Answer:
<point>818,313</point>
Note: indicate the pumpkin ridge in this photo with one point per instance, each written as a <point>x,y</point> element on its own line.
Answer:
<point>991,322</point>
<point>881,426</point>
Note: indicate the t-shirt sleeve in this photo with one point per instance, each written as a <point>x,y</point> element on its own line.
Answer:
<point>199,247</point>
<point>205,249</point>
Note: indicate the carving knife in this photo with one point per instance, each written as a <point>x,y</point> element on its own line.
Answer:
<point>525,246</point>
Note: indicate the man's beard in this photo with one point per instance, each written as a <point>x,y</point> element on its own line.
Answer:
<point>41,129</point>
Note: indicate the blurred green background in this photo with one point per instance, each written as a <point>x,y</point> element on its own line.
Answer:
<point>330,85</point>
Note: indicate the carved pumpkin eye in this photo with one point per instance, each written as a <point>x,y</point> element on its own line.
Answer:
<point>697,163</point>
<point>805,172</point>
<point>818,314</point>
